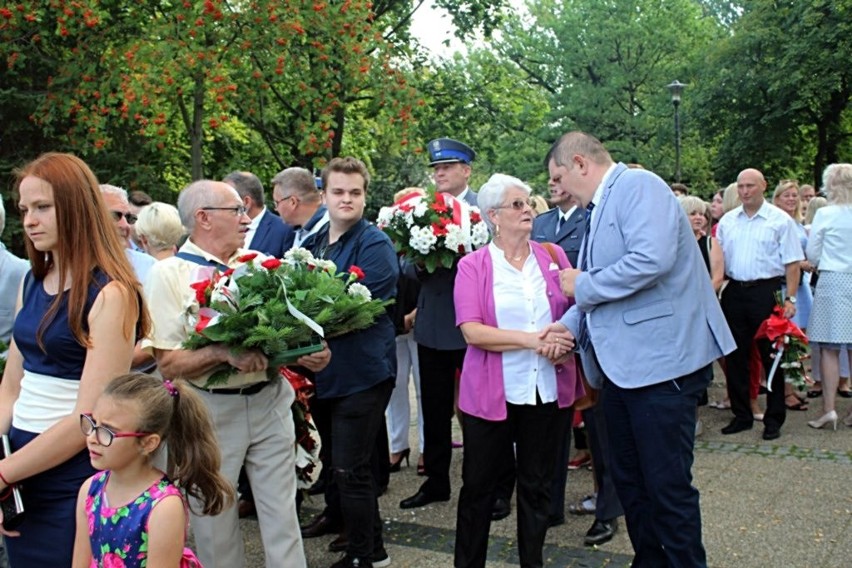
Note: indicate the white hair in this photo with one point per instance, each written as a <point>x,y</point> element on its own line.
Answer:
<point>493,192</point>
<point>119,192</point>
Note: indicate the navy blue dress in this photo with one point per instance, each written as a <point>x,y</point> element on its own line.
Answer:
<point>50,497</point>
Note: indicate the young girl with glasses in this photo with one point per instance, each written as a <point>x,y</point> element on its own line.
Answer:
<point>132,514</point>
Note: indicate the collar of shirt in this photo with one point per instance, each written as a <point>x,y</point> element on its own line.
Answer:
<point>567,214</point>
<point>763,211</point>
<point>193,248</point>
<point>596,198</point>
<point>255,223</point>
<point>461,195</point>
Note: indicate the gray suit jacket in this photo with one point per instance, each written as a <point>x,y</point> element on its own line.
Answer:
<point>435,325</point>
<point>12,270</point>
<point>652,313</point>
<point>570,234</point>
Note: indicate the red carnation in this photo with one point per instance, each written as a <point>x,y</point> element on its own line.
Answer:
<point>203,321</point>
<point>357,272</point>
<point>200,290</point>
<point>271,263</point>
<point>475,217</point>
<point>439,207</point>
<point>247,257</point>
<point>438,230</point>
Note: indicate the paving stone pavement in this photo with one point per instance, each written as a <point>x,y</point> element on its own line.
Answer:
<point>787,503</point>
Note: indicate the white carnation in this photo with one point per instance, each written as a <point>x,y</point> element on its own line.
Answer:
<point>479,235</point>
<point>326,265</point>
<point>420,208</point>
<point>385,217</point>
<point>359,291</point>
<point>456,238</point>
<point>422,239</point>
<point>297,255</point>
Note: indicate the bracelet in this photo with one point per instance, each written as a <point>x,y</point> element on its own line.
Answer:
<point>3,479</point>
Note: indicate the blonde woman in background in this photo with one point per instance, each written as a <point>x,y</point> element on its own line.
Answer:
<point>158,229</point>
<point>539,205</point>
<point>830,248</point>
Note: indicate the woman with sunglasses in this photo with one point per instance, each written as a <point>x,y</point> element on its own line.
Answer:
<point>517,386</point>
<point>79,313</point>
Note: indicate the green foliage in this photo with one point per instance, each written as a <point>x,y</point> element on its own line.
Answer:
<point>257,306</point>
<point>776,91</point>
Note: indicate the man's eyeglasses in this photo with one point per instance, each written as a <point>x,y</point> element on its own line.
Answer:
<point>517,204</point>
<point>237,210</point>
<point>117,215</point>
<point>285,198</point>
<point>103,434</point>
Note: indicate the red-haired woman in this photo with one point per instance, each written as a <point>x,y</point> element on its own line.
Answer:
<point>79,314</point>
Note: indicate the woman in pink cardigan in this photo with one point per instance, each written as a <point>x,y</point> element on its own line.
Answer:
<point>517,385</point>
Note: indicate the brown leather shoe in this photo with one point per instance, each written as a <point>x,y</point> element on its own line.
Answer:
<point>321,525</point>
<point>246,508</point>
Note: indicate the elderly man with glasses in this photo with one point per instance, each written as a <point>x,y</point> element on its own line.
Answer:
<point>250,413</point>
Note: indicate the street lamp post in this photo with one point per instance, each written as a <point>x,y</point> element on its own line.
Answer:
<point>676,89</point>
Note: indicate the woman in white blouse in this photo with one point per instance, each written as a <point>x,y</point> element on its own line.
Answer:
<point>516,386</point>
<point>830,249</point>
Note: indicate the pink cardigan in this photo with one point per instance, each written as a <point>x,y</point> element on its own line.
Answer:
<point>481,391</point>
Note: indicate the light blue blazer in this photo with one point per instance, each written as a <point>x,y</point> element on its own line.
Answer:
<point>652,312</point>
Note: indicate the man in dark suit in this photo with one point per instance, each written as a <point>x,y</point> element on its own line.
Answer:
<point>267,233</point>
<point>440,345</point>
<point>648,332</point>
<point>298,200</point>
<point>563,225</point>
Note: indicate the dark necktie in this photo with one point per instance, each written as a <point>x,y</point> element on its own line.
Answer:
<point>560,220</point>
<point>583,335</point>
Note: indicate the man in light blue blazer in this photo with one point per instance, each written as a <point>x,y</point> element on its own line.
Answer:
<point>648,328</point>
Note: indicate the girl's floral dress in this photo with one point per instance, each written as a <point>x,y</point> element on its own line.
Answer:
<point>119,536</point>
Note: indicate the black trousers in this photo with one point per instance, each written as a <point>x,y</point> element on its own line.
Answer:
<point>608,507</point>
<point>651,431</point>
<point>745,308</point>
<point>531,428</point>
<point>438,370</point>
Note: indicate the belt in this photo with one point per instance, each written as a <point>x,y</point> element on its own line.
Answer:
<point>245,391</point>
<point>777,281</point>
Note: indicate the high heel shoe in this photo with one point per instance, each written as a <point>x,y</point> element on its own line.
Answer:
<point>395,466</point>
<point>828,417</point>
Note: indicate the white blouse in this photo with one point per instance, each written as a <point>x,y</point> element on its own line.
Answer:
<point>520,302</point>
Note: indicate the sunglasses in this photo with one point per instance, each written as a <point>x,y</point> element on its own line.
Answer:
<point>104,435</point>
<point>517,204</point>
<point>117,215</point>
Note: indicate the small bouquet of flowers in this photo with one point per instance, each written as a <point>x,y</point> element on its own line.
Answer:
<point>791,347</point>
<point>283,307</point>
<point>433,229</point>
<point>308,443</point>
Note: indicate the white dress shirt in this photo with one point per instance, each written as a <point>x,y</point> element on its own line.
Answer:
<point>520,303</point>
<point>830,242</point>
<point>563,218</point>
<point>252,228</point>
<point>760,246</point>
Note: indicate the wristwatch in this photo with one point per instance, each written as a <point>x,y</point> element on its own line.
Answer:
<point>791,299</point>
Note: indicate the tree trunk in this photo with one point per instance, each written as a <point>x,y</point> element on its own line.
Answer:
<point>196,133</point>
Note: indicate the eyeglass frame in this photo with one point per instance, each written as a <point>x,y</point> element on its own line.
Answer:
<point>286,197</point>
<point>86,419</point>
<point>518,204</point>
<point>237,210</point>
<point>117,215</point>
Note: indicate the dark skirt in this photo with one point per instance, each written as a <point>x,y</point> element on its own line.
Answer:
<point>50,499</point>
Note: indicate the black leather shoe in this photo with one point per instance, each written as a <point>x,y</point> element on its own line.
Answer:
<point>420,499</point>
<point>601,532</point>
<point>246,508</point>
<point>771,433</point>
<point>737,425</point>
<point>321,525</point>
<point>554,521</point>
<point>501,509</point>
<point>340,544</point>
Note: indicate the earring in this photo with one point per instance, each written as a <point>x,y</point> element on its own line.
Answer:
<point>496,231</point>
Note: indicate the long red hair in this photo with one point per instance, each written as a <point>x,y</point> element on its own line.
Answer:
<point>87,239</point>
